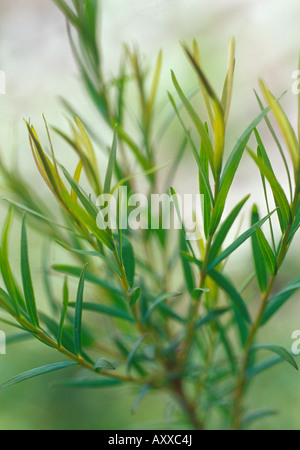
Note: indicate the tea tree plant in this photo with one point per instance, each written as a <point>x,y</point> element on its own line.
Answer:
<point>192,335</point>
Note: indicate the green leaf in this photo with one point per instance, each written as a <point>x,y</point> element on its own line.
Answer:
<point>225,228</point>
<point>128,260</point>
<point>284,125</point>
<point>36,214</point>
<point>90,383</point>
<point>157,302</point>
<point>239,241</point>
<point>261,153</point>
<point>225,284</point>
<point>198,123</point>
<point>111,163</point>
<point>267,120</point>
<point>267,252</point>
<point>153,91</point>
<point>135,348</point>
<point>198,159</point>
<point>6,272</point>
<point>279,299</point>
<point>265,365</point>
<point>278,192</point>
<point>78,313</point>
<point>211,316</point>
<point>104,364</point>
<point>70,15</point>
<point>6,302</point>
<point>218,124</point>
<point>227,89</point>
<point>76,272</point>
<point>84,199</point>
<point>140,397</point>
<point>188,273</point>
<point>296,224</point>
<point>280,351</point>
<point>26,277</point>
<point>90,253</point>
<point>230,169</point>
<point>208,200</point>
<point>107,310</point>
<point>259,263</point>
<point>227,346</point>
<point>35,373</point>
<point>134,295</point>
<point>257,415</point>
<point>64,312</point>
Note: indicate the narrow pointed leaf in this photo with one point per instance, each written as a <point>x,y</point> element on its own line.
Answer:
<point>239,241</point>
<point>230,171</point>
<point>64,312</point>
<point>26,277</point>
<point>135,348</point>
<point>259,263</point>
<point>35,373</point>
<point>284,124</point>
<point>90,383</point>
<point>267,252</point>
<point>280,351</point>
<point>278,192</point>
<point>78,313</point>
<point>197,121</point>
<point>106,310</point>
<point>279,299</point>
<point>111,163</point>
<point>225,228</point>
<point>225,284</point>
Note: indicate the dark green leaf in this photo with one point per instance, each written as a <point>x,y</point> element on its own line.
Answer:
<point>260,266</point>
<point>278,300</point>
<point>128,260</point>
<point>211,316</point>
<point>278,192</point>
<point>282,352</point>
<point>132,353</point>
<point>239,241</point>
<point>76,272</point>
<point>230,171</point>
<point>257,415</point>
<point>267,252</point>
<point>26,277</point>
<point>35,373</point>
<point>104,364</point>
<point>90,383</point>
<point>78,313</point>
<point>107,310</point>
<point>224,229</point>
<point>225,284</point>
<point>64,312</point>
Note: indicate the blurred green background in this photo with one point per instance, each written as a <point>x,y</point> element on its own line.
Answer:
<point>39,67</point>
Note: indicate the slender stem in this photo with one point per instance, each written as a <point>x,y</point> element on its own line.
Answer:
<point>41,335</point>
<point>187,406</point>
<point>196,305</point>
<point>242,379</point>
<point>193,317</point>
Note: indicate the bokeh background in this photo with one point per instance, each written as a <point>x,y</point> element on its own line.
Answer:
<point>36,57</point>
